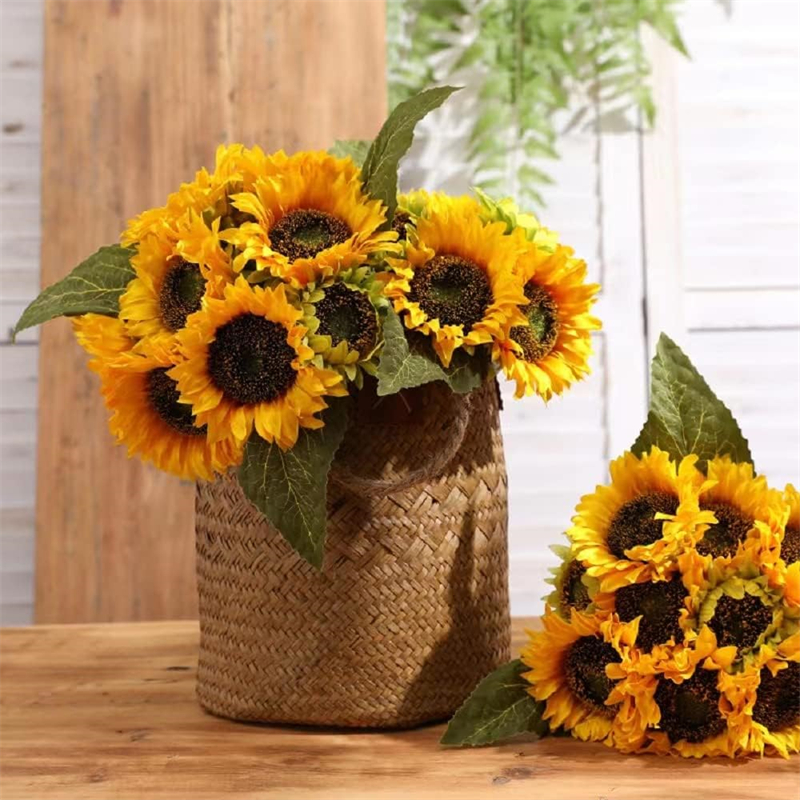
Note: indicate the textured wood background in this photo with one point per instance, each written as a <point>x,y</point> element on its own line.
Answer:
<point>137,94</point>
<point>101,711</point>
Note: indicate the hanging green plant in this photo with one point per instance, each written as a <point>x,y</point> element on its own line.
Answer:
<point>531,59</point>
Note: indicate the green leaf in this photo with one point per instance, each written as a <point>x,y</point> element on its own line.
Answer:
<point>499,708</point>
<point>379,171</point>
<point>351,148</point>
<point>404,366</point>
<point>93,287</point>
<point>290,488</point>
<point>468,372</point>
<point>409,360</point>
<point>685,415</point>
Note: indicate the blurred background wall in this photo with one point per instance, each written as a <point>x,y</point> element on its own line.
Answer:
<point>693,229</point>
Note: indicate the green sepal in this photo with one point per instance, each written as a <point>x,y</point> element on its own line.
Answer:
<point>408,360</point>
<point>356,149</point>
<point>499,708</point>
<point>379,171</point>
<point>290,487</point>
<point>685,416</point>
<point>93,287</point>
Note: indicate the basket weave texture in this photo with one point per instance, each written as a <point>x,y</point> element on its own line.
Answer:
<point>411,608</point>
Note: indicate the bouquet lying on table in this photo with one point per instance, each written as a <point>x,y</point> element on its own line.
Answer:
<point>229,322</point>
<point>673,623</point>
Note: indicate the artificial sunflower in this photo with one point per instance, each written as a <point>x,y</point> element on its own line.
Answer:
<point>568,662</point>
<point>174,273</point>
<point>636,527</point>
<point>455,281</point>
<point>342,317</point>
<point>247,365</point>
<point>739,606</point>
<point>790,542</point>
<point>207,196</point>
<point>573,587</point>
<point>149,418</point>
<point>767,691</point>
<point>669,699</point>
<point>737,501</point>
<point>550,349</point>
<point>312,220</point>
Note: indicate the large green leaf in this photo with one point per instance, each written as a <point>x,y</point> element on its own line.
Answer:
<point>685,415</point>
<point>499,708</point>
<point>379,171</point>
<point>290,487</point>
<point>93,287</point>
<point>408,360</point>
<point>402,367</point>
<point>351,148</point>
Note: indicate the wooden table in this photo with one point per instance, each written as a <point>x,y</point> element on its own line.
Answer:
<point>108,711</point>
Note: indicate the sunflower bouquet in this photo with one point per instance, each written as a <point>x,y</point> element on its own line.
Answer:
<point>672,626</point>
<point>231,325</point>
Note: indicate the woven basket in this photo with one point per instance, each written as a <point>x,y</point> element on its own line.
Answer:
<point>411,608</point>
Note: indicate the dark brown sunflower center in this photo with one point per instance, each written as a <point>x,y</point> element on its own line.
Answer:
<point>724,538</point>
<point>574,593</point>
<point>250,360</point>
<point>690,710</point>
<point>401,219</point>
<point>162,393</point>
<point>790,547</point>
<point>453,290</point>
<point>538,338</point>
<point>777,703</point>
<point>347,314</point>
<point>305,232</point>
<point>658,604</point>
<point>634,524</point>
<point>585,670</point>
<point>740,622</point>
<point>181,293</point>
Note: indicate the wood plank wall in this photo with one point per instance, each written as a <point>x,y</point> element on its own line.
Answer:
<point>137,94</point>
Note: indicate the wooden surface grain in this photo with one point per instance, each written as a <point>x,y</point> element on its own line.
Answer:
<point>137,94</point>
<point>101,711</point>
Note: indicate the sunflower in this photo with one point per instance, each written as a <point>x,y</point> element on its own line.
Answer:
<point>745,519</point>
<point>208,195</point>
<point>568,662</point>
<point>635,528</point>
<point>573,588</point>
<point>762,699</point>
<point>738,606</point>
<point>174,273</point>
<point>341,315</point>
<point>148,417</point>
<point>790,542</point>
<point>247,365</point>
<point>455,281</point>
<point>669,699</point>
<point>106,339</point>
<point>312,219</point>
<point>550,349</point>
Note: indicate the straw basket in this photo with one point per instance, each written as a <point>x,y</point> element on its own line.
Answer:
<point>411,608</point>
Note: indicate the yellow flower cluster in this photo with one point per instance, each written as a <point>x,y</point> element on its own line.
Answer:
<point>673,626</point>
<point>476,273</point>
<point>260,290</point>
